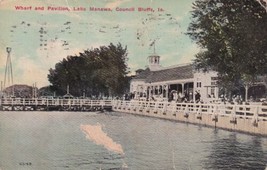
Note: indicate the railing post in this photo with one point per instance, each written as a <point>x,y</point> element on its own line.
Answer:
<point>164,108</point>
<point>255,118</point>
<point>186,111</point>
<point>233,115</point>
<point>215,114</point>
<point>102,104</point>
<point>245,110</point>
<point>199,112</point>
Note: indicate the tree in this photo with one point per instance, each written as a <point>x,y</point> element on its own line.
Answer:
<point>263,3</point>
<point>99,71</point>
<point>233,37</point>
<point>20,90</point>
<point>45,91</point>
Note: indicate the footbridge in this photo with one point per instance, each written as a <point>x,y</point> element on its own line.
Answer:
<point>22,104</point>
<point>249,118</point>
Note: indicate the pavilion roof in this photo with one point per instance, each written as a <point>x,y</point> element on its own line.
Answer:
<point>167,74</point>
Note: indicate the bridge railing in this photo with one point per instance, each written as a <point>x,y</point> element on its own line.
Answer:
<point>256,112</point>
<point>53,102</point>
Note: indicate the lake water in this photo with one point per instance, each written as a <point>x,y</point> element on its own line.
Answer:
<point>55,140</point>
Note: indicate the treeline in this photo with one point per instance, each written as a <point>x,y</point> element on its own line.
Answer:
<point>20,90</point>
<point>97,72</point>
<point>233,39</point>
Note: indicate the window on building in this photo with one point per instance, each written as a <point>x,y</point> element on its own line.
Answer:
<point>214,81</point>
<point>214,78</point>
<point>212,91</point>
<point>198,84</point>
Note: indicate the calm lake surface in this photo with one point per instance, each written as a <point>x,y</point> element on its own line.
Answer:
<point>54,140</point>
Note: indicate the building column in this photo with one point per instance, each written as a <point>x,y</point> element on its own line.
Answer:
<point>216,93</point>
<point>162,90</point>
<point>193,92</point>
<point>146,91</point>
<point>139,91</point>
<point>166,90</point>
<point>149,92</point>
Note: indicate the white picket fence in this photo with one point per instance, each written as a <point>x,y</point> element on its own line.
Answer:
<point>258,112</point>
<point>255,112</point>
<point>53,102</point>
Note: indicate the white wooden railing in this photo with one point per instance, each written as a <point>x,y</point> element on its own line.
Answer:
<point>53,102</point>
<point>256,112</point>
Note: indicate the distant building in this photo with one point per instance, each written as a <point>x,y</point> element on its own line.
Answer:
<point>179,82</point>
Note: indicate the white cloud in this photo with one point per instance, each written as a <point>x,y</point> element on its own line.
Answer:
<point>28,72</point>
<point>133,67</point>
<point>55,52</point>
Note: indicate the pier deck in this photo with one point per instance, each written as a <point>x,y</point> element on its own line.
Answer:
<point>245,118</point>
<point>20,104</point>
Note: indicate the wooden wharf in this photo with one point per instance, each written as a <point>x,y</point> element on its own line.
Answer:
<point>244,118</point>
<point>31,104</point>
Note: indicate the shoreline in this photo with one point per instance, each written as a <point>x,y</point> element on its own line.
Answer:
<point>211,118</point>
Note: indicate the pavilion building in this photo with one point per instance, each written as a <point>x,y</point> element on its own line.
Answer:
<point>173,83</point>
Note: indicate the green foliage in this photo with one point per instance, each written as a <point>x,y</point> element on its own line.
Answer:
<point>233,37</point>
<point>45,91</point>
<point>98,71</point>
<point>19,90</point>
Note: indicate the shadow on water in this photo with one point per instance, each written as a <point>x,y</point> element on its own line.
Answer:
<point>235,151</point>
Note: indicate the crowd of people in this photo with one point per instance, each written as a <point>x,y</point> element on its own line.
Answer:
<point>173,96</point>
<point>187,97</point>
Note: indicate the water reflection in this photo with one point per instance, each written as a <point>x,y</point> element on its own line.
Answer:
<point>236,151</point>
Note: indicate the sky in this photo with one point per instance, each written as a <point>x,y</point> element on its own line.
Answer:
<point>41,38</point>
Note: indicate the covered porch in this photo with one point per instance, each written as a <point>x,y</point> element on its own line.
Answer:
<point>175,91</point>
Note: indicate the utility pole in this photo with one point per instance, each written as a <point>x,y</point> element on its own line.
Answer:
<point>68,89</point>
<point>8,81</point>
<point>1,92</point>
<point>34,90</point>
<point>84,94</point>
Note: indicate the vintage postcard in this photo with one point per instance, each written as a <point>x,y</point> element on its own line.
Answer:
<point>133,84</point>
